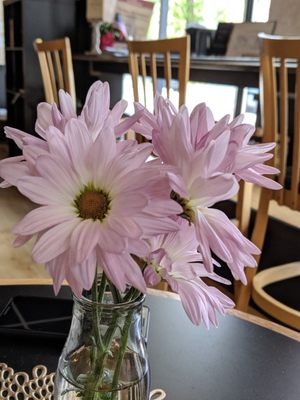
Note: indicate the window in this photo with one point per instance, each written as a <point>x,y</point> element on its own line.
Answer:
<point>208,13</point>
<point>173,17</point>
<point>260,11</point>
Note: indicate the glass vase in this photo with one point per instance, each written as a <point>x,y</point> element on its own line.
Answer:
<point>104,357</point>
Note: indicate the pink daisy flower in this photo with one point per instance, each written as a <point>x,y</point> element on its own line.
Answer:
<point>95,208</point>
<point>103,205</point>
<point>51,126</point>
<point>197,185</point>
<point>174,258</point>
<point>243,159</point>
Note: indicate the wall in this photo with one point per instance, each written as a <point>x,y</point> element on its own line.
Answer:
<point>2,87</point>
<point>2,60</point>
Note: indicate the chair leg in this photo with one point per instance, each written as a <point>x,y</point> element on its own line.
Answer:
<point>242,292</point>
<point>243,207</point>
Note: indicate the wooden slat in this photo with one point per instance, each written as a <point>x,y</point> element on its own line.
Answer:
<point>184,70</point>
<point>68,69</point>
<point>168,71</point>
<point>52,76</point>
<point>283,134</point>
<point>59,71</point>
<point>49,96</point>
<point>144,75</point>
<point>243,212</point>
<point>269,85</point>
<point>296,145</point>
<point>134,71</point>
<point>153,72</point>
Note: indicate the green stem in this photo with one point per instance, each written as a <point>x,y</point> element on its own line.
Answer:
<point>102,288</point>
<point>101,346</point>
<point>121,353</point>
<point>131,294</point>
<point>97,296</point>
<point>98,350</point>
<point>115,293</point>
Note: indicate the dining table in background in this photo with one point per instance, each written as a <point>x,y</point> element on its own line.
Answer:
<point>241,72</point>
<point>245,358</point>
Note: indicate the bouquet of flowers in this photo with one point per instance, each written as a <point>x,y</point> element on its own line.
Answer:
<point>106,205</point>
<point>102,202</point>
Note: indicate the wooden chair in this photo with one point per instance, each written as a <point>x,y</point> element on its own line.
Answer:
<point>243,207</point>
<point>275,92</point>
<point>55,59</point>
<point>159,53</point>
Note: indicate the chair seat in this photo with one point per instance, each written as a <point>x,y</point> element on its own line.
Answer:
<point>272,306</point>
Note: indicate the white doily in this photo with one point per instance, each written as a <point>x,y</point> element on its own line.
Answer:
<point>19,386</point>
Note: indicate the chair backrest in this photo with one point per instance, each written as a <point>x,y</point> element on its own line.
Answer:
<point>280,117</point>
<point>55,59</point>
<point>159,55</point>
<point>280,124</point>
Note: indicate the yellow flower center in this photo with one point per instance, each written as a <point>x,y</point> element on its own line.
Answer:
<point>188,212</point>
<point>93,204</point>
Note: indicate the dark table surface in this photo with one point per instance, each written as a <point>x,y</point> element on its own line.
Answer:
<point>237,361</point>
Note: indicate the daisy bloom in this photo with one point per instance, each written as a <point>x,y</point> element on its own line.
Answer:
<point>95,208</point>
<point>243,159</point>
<point>174,258</point>
<point>103,206</point>
<point>206,163</point>
<point>51,123</point>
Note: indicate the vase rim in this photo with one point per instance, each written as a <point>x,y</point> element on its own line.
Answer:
<point>86,302</point>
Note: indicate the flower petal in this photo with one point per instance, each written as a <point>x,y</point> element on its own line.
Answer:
<point>11,170</point>
<point>44,119</point>
<point>84,272</point>
<point>53,242</point>
<point>66,104</point>
<point>84,238</point>
<point>42,218</point>
<point>56,268</point>
<point>126,227</point>
<point>62,179</point>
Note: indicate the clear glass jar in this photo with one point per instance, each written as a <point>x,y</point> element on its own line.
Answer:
<point>104,357</point>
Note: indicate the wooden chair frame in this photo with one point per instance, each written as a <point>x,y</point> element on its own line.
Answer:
<point>276,52</point>
<point>137,56</point>
<point>273,307</point>
<point>55,58</point>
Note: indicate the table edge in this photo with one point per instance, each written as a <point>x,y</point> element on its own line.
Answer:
<point>155,292</point>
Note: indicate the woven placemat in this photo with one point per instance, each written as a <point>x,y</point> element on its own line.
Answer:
<point>39,386</point>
